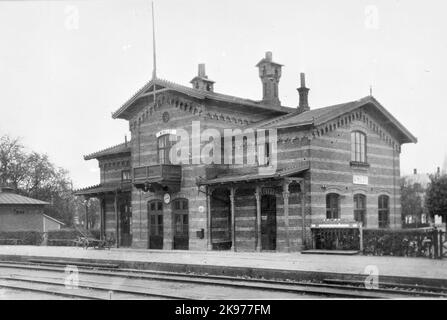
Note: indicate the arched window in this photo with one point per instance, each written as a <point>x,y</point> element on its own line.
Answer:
<point>358,146</point>
<point>164,145</point>
<point>384,212</point>
<point>332,206</point>
<point>360,209</point>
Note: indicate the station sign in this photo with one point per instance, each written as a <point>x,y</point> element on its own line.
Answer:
<point>357,179</point>
<point>165,131</point>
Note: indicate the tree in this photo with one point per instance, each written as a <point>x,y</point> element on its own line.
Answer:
<point>436,198</point>
<point>32,174</point>
<point>411,199</point>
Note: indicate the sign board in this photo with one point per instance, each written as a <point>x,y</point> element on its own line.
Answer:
<point>166,131</point>
<point>356,179</point>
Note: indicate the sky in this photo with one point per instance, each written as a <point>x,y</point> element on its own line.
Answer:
<point>65,66</point>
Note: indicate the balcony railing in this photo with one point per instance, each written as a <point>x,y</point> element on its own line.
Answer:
<point>160,175</point>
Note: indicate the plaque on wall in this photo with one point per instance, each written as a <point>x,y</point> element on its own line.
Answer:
<point>357,179</point>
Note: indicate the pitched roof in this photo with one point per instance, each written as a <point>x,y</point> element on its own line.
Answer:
<point>322,115</point>
<point>53,219</point>
<point>196,93</point>
<point>119,148</point>
<point>104,188</point>
<point>13,198</point>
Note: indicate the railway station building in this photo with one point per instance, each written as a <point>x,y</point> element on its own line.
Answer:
<point>308,168</point>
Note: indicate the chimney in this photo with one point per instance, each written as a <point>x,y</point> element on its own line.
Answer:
<point>202,73</point>
<point>303,92</point>
<point>270,73</point>
<point>201,81</point>
<point>415,171</point>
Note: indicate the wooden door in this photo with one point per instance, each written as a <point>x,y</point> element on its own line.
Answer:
<point>181,224</point>
<point>268,222</point>
<point>155,219</point>
<point>125,225</point>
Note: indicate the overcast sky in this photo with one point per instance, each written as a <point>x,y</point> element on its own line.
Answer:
<point>66,65</point>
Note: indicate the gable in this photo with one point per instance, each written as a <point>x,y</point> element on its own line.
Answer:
<point>367,109</point>
<point>156,87</point>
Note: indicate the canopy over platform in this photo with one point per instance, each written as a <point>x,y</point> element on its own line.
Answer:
<point>253,177</point>
<point>102,189</point>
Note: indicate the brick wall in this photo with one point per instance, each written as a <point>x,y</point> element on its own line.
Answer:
<point>30,219</point>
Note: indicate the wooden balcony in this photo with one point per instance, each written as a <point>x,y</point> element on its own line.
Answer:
<point>160,177</point>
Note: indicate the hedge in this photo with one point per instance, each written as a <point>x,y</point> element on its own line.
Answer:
<point>21,237</point>
<point>398,242</point>
<point>66,237</point>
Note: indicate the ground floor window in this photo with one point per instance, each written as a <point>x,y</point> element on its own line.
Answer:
<point>360,208</point>
<point>384,212</point>
<point>332,206</point>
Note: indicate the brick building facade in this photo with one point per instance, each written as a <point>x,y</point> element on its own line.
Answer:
<point>337,164</point>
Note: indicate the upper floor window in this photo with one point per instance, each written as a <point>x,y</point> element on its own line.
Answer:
<point>358,146</point>
<point>125,175</point>
<point>384,212</point>
<point>332,206</point>
<point>164,145</point>
<point>360,209</point>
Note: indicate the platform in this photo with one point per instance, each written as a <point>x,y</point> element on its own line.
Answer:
<point>263,264</point>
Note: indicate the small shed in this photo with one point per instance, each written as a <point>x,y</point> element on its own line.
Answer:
<point>20,213</point>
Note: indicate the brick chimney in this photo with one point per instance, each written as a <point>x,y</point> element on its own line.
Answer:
<point>201,81</point>
<point>270,73</point>
<point>303,92</point>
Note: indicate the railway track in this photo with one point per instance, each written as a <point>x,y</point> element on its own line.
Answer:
<point>96,282</point>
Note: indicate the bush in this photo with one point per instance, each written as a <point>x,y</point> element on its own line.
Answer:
<point>33,238</point>
<point>62,237</point>
<point>402,242</point>
<point>66,237</point>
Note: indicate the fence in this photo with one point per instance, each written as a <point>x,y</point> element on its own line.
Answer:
<point>416,242</point>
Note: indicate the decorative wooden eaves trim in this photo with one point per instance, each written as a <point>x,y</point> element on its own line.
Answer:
<point>357,115</point>
<point>115,163</point>
<point>302,139</point>
<point>185,105</point>
<point>162,100</point>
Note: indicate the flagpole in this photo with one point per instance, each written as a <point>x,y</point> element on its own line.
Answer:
<point>154,71</point>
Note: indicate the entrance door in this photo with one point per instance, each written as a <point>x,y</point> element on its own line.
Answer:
<point>125,224</point>
<point>268,222</point>
<point>155,218</point>
<point>181,224</point>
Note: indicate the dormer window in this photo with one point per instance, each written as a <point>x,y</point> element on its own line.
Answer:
<point>358,147</point>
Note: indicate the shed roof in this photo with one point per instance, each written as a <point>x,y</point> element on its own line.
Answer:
<point>119,148</point>
<point>13,198</point>
<point>53,219</point>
